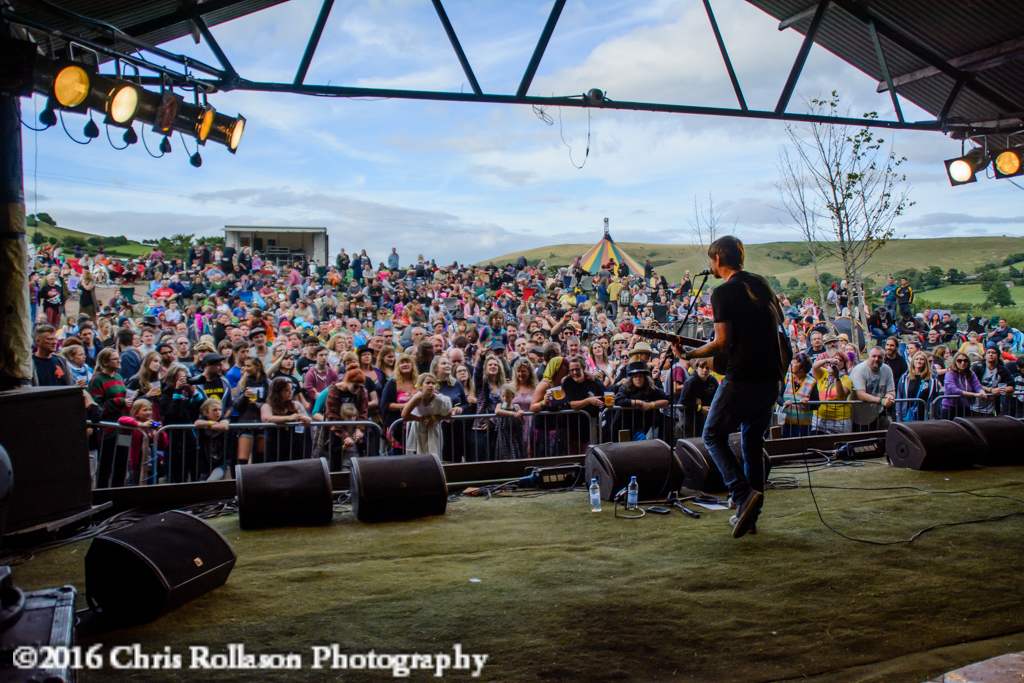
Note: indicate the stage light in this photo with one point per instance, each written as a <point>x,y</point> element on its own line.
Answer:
<point>165,145</point>
<point>1008,163</point>
<point>122,104</point>
<point>227,131</point>
<point>71,86</point>
<point>963,170</point>
<point>194,119</point>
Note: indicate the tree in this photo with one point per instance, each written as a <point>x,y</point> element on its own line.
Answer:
<point>793,188</point>
<point>52,240</point>
<point>792,283</point>
<point>774,283</point>
<point>38,238</point>
<point>30,221</point>
<point>932,278</point>
<point>854,186</point>
<point>45,217</point>
<point>705,228</point>
<point>999,295</point>
<point>954,276</point>
<point>987,279</point>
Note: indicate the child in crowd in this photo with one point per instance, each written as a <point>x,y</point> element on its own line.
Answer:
<point>423,415</point>
<point>210,435</point>
<point>509,426</point>
<point>140,458</point>
<point>350,437</point>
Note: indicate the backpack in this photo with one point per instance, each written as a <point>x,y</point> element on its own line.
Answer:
<point>624,297</point>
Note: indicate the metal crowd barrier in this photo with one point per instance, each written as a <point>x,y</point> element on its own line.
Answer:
<point>1011,404</point>
<point>543,434</point>
<point>179,453</point>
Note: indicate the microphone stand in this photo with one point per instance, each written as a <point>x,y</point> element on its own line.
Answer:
<point>671,371</point>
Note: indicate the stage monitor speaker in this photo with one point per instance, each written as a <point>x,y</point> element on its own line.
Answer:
<point>145,570</point>
<point>700,473</point>
<point>999,440</point>
<point>657,470</point>
<point>293,493</point>
<point>931,445</point>
<point>43,430</point>
<point>397,487</point>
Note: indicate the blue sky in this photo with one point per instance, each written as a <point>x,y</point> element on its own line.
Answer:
<point>459,181</point>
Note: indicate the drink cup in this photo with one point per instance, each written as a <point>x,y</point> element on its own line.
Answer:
<point>609,399</point>
<point>558,393</point>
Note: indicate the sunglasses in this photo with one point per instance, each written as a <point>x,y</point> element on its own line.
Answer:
<point>962,362</point>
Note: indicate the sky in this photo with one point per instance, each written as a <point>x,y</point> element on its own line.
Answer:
<point>467,181</point>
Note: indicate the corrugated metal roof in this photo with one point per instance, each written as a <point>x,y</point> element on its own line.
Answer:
<point>151,21</point>
<point>946,28</point>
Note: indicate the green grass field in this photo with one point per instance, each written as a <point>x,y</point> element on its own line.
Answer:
<point>957,294</point>
<point>130,249</point>
<point>962,253</point>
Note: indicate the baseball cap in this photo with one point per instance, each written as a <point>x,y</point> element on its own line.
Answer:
<point>212,358</point>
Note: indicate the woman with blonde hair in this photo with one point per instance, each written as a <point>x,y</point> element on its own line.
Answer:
<point>385,365</point>
<point>917,383</point>
<point>397,392</point>
<point>87,296</point>
<point>940,356</point>
<point>146,382</point>
<point>961,384</point>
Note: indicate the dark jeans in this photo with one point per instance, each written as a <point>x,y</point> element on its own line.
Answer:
<point>747,406</point>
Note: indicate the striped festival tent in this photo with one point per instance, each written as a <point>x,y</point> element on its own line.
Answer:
<point>606,250</point>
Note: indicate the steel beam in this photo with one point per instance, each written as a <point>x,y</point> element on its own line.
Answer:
<point>214,46</point>
<point>954,95</point>
<point>859,11</point>
<point>443,16</point>
<point>314,40</point>
<point>184,13</point>
<point>801,57</point>
<point>725,56</point>
<point>973,62</point>
<point>885,69</point>
<point>796,18</point>
<point>542,45</point>
<point>342,91</point>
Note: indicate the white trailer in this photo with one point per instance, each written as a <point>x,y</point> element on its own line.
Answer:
<point>279,244</point>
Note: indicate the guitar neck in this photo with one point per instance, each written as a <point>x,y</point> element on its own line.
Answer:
<point>650,333</point>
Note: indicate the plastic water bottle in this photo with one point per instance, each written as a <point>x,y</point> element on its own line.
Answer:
<point>632,492</point>
<point>595,496</point>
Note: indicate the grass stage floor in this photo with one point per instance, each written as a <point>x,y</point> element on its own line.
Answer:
<point>565,594</point>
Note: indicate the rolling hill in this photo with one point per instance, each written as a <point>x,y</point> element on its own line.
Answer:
<point>670,260</point>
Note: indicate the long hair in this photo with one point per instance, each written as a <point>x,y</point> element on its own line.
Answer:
<point>634,389</point>
<point>532,382</point>
<point>450,379</point>
<point>927,374</point>
<point>275,399</point>
<point>955,369</point>
<point>409,378</point>
<point>147,378</point>
<point>261,375</point>
<point>500,378</point>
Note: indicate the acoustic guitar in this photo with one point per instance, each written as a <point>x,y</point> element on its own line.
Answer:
<point>719,361</point>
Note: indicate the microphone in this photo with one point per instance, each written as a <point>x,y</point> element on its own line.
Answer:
<point>706,271</point>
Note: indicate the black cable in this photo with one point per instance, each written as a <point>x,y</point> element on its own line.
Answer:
<point>87,140</point>
<point>31,128</point>
<point>126,145</point>
<point>585,156</point>
<point>142,134</point>
<point>913,538</point>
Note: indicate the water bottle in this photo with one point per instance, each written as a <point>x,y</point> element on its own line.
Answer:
<point>595,496</point>
<point>632,492</point>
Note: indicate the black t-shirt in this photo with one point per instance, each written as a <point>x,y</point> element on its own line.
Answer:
<point>51,295</point>
<point>898,365</point>
<point>303,364</point>
<point>50,372</point>
<point>747,302</point>
<point>577,391</point>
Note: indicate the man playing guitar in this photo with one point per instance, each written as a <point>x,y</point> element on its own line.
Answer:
<point>747,317</point>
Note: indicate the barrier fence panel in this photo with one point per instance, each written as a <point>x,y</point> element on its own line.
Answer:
<point>480,438</point>
<point>668,424</point>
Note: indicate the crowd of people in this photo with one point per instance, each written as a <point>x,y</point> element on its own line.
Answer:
<point>243,360</point>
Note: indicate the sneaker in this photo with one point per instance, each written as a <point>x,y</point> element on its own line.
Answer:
<point>748,508</point>
<point>752,530</point>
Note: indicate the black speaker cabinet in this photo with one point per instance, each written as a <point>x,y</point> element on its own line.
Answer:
<point>931,445</point>
<point>46,620</point>
<point>657,470</point>
<point>156,565</point>
<point>700,473</point>
<point>397,487</point>
<point>999,440</point>
<point>295,493</point>
<point>43,430</point>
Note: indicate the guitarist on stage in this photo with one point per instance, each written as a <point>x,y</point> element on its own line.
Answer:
<point>747,316</point>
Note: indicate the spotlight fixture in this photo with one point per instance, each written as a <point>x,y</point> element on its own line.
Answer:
<point>594,96</point>
<point>194,119</point>
<point>964,170</point>
<point>227,131</point>
<point>1010,162</point>
<point>165,145</point>
<point>71,86</point>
